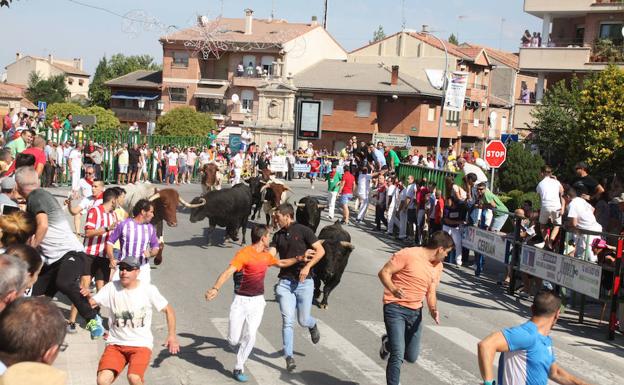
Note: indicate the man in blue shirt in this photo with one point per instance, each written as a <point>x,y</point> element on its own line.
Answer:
<point>378,154</point>
<point>527,356</point>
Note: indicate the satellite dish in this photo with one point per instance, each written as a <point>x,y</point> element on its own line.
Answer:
<point>493,116</point>
<point>235,99</point>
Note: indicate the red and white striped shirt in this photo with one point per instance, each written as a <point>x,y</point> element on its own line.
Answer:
<point>97,217</point>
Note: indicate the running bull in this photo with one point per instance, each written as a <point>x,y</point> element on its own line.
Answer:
<point>309,212</point>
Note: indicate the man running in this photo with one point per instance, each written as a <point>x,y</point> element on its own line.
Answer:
<point>137,238</point>
<point>128,304</point>
<point>249,267</point>
<point>295,288</point>
<point>315,167</point>
<point>526,350</point>
<point>411,275</point>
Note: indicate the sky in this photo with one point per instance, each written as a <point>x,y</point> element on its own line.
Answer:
<point>68,29</point>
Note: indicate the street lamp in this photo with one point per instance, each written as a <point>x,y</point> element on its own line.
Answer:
<point>141,103</point>
<point>160,105</point>
<point>444,85</point>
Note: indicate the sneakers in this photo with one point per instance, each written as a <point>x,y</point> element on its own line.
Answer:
<point>239,375</point>
<point>314,334</point>
<point>95,327</point>
<point>72,328</point>
<point>383,350</point>
<point>290,364</point>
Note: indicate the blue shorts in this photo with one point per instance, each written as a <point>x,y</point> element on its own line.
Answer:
<point>313,174</point>
<point>345,198</point>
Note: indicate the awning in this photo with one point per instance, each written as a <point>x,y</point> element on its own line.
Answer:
<point>135,95</point>
<point>211,92</point>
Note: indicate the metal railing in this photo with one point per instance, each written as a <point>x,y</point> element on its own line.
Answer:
<point>432,175</point>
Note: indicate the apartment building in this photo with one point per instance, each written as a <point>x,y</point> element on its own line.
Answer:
<point>241,70</point>
<point>135,97</point>
<point>76,80</point>
<point>578,37</point>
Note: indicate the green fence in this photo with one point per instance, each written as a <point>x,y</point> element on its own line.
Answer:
<point>432,175</point>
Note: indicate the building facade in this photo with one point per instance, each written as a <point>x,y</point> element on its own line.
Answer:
<point>76,80</point>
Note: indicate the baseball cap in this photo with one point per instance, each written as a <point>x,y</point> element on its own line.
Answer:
<point>618,199</point>
<point>130,261</point>
<point>7,183</point>
<point>599,243</point>
<point>581,165</point>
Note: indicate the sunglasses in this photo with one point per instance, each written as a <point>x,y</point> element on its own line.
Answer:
<point>88,173</point>
<point>128,268</point>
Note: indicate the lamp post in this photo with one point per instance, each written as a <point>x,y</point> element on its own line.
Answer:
<point>141,103</point>
<point>443,89</point>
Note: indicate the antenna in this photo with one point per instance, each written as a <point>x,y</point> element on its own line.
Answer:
<point>460,18</point>
<point>500,35</point>
<point>221,8</point>
<point>272,10</point>
<point>325,15</point>
<point>403,20</point>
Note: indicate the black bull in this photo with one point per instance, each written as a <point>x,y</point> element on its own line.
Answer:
<point>337,244</point>
<point>309,212</point>
<point>229,208</point>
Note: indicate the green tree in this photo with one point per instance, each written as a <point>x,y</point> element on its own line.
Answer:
<point>379,34</point>
<point>521,170</point>
<point>453,39</point>
<point>62,109</point>
<point>105,119</point>
<point>583,121</point>
<point>185,121</point>
<point>51,90</point>
<point>117,66</point>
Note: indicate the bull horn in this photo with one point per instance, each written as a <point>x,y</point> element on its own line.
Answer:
<point>300,205</point>
<point>264,187</point>
<point>192,205</point>
<point>321,240</point>
<point>346,244</point>
<point>286,188</point>
<point>273,209</point>
<point>154,197</point>
<point>322,206</point>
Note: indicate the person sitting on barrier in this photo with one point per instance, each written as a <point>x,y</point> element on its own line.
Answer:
<point>581,217</point>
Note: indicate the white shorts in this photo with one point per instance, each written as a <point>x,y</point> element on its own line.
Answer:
<point>547,214</point>
<point>123,168</point>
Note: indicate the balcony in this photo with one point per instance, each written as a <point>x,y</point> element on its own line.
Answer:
<point>134,114</point>
<point>555,59</point>
<point>247,81</point>
<point>476,93</point>
<point>522,116</point>
<point>571,7</point>
<point>469,129</point>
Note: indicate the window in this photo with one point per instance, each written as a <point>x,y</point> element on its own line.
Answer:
<point>177,94</point>
<point>327,106</point>
<point>70,81</point>
<point>267,64</point>
<point>452,118</point>
<point>247,97</point>
<point>612,31</point>
<point>363,109</point>
<point>129,103</point>
<point>180,59</point>
<point>431,112</point>
<point>579,35</point>
<point>80,82</point>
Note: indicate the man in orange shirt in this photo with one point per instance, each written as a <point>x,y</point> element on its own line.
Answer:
<point>411,275</point>
<point>249,267</point>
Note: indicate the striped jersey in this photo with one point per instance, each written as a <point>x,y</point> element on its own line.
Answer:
<point>134,239</point>
<point>97,218</point>
<point>529,358</point>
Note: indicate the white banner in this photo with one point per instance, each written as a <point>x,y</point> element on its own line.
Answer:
<point>278,164</point>
<point>392,140</point>
<point>301,167</point>
<point>484,242</point>
<point>456,91</point>
<point>581,276</point>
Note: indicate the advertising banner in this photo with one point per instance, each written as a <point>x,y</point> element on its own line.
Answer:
<point>581,276</point>
<point>392,140</point>
<point>484,242</point>
<point>456,91</point>
<point>278,164</point>
<point>301,167</point>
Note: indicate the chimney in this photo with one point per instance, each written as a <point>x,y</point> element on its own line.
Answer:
<point>78,63</point>
<point>248,21</point>
<point>314,22</point>
<point>394,79</point>
<point>18,56</point>
<point>50,58</point>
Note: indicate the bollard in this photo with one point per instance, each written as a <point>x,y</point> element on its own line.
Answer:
<point>617,278</point>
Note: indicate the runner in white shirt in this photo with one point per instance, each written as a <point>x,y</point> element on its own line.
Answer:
<point>551,196</point>
<point>363,192</point>
<point>75,166</point>
<point>172,166</point>
<point>237,163</point>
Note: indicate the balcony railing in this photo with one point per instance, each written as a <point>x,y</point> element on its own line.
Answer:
<point>131,114</point>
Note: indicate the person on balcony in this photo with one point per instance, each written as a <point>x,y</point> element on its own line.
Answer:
<point>240,69</point>
<point>250,69</point>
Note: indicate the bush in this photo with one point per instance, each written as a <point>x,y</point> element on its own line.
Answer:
<point>533,197</point>
<point>521,170</point>
<point>61,110</point>
<point>185,121</point>
<point>105,119</point>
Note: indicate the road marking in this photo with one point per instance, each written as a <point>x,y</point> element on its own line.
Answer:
<point>566,360</point>
<point>351,361</point>
<point>266,370</point>
<point>442,368</point>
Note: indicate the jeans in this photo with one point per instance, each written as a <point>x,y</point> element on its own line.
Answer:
<point>403,326</point>
<point>294,296</point>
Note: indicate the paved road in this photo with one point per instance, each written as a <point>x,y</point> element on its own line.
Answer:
<point>350,328</point>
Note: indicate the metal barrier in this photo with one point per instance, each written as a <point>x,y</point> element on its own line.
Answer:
<point>578,275</point>
<point>432,175</point>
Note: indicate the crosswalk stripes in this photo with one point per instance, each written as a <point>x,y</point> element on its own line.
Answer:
<point>445,370</point>
<point>265,369</point>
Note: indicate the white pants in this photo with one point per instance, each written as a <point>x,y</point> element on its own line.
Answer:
<point>583,248</point>
<point>391,218</point>
<point>145,274</point>
<point>456,234</point>
<point>237,176</point>
<point>363,207</point>
<point>75,175</point>
<point>245,318</point>
<point>331,198</point>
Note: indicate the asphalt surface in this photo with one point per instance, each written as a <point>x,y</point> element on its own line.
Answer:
<point>350,327</point>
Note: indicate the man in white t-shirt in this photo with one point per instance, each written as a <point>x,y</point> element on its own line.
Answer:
<point>75,165</point>
<point>237,163</point>
<point>581,216</point>
<point>363,191</point>
<point>128,305</point>
<point>172,166</point>
<point>204,157</point>
<point>246,138</point>
<point>552,203</point>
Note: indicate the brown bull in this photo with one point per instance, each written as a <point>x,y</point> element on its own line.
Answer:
<point>274,196</point>
<point>210,177</point>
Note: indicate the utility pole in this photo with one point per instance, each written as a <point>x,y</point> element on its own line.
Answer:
<point>272,10</point>
<point>500,35</point>
<point>325,15</point>
<point>403,19</point>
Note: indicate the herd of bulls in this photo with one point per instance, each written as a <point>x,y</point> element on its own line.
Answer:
<point>231,208</point>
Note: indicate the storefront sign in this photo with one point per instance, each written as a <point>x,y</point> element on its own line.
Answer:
<point>484,242</point>
<point>575,274</point>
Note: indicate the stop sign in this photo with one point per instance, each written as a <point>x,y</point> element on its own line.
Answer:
<point>495,153</point>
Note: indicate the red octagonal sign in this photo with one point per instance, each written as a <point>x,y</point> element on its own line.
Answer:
<point>495,153</point>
